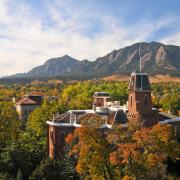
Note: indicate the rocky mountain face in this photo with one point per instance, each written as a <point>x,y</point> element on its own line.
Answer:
<point>157,58</point>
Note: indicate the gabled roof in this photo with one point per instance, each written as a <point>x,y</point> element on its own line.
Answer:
<point>26,101</point>
<point>31,99</point>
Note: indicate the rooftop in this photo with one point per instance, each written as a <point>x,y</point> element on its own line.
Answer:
<point>139,82</point>
<point>26,101</point>
<point>91,116</point>
<point>30,99</point>
<point>164,116</point>
<point>101,94</point>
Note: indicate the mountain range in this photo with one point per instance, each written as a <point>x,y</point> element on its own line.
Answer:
<point>157,58</point>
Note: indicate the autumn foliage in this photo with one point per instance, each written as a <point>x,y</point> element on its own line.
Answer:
<point>123,153</point>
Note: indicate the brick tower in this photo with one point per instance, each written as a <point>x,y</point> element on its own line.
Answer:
<point>139,100</point>
<point>100,99</point>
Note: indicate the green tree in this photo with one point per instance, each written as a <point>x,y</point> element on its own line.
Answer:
<point>171,102</point>
<point>52,170</point>
<point>37,119</point>
<point>6,176</point>
<point>92,150</point>
<point>9,123</point>
<point>79,95</point>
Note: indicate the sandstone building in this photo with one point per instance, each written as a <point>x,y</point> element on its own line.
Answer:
<point>27,104</point>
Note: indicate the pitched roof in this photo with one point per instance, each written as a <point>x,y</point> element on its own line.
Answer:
<point>112,117</point>
<point>164,116</point>
<point>139,81</point>
<point>31,99</point>
<point>62,118</point>
<point>26,101</point>
<point>120,117</point>
<point>91,119</point>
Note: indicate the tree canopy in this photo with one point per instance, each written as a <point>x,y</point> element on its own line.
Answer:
<point>92,153</point>
<point>9,123</point>
<point>133,152</point>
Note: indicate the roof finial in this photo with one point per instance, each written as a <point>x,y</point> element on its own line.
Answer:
<point>140,56</point>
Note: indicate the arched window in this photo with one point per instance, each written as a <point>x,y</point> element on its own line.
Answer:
<point>132,82</point>
<point>145,101</point>
<point>131,100</point>
<point>51,136</point>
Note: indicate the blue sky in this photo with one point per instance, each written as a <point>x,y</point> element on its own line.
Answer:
<point>32,31</point>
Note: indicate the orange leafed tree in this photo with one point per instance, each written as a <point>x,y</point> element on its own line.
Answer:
<point>145,154</point>
<point>92,150</point>
<point>123,153</point>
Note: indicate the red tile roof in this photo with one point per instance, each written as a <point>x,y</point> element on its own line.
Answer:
<point>33,98</point>
<point>26,101</point>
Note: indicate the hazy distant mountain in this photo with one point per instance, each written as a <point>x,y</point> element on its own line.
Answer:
<point>157,58</point>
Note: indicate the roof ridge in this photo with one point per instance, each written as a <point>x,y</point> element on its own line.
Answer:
<point>25,100</point>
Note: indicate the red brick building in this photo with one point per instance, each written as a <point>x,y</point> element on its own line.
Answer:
<point>100,99</point>
<point>139,100</point>
<point>56,138</point>
<point>139,108</point>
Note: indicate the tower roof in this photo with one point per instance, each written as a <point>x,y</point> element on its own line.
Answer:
<point>139,82</point>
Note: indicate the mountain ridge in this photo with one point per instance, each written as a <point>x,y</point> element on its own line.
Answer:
<point>157,58</point>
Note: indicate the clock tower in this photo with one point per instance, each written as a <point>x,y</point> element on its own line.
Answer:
<point>139,100</point>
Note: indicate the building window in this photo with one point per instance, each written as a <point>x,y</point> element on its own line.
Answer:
<point>132,82</point>
<point>62,141</point>
<point>51,136</point>
<point>131,101</point>
<point>145,101</point>
<point>25,112</point>
<point>62,136</point>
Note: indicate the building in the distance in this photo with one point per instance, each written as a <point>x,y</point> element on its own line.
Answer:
<point>27,104</point>
<point>109,113</point>
<point>1,86</point>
